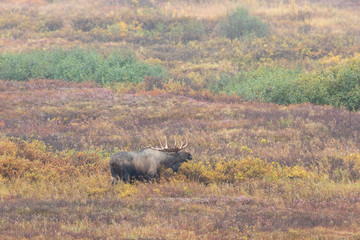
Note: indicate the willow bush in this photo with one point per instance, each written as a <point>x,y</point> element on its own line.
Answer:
<point>338,86</point>
<point>77,65</point>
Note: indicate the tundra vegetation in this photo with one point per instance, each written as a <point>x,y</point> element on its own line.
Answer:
<point>267,92</point>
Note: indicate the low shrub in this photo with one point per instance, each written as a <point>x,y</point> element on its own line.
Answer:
<point>77,65</point>
<point>85,23</point>
<point>52,24</point>
<point>342,168</point>
<point>235,170</point>
<point>10,21</point>
<point>264,84</point>
<point>339,86</point>
<point>34,161</point>
<point>181,30</point>
<point>239,23</point>
<point>192,30</point>
<point>352,164</point>
<point>344,86</point>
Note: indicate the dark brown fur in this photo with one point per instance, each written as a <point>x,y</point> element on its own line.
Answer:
<point>144,164</point>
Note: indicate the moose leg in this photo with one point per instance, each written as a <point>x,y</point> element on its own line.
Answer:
<point>147,179</point>
<point>114,178</point>
<point>114,181</point>
<point>157,178</point>
<point>126,177</point>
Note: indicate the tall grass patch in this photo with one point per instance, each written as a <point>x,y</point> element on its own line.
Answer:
<point>77,65</point>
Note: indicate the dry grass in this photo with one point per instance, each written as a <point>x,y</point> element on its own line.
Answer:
<point>64,191</point>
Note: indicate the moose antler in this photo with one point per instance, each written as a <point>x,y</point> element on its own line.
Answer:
<point>166,148</point>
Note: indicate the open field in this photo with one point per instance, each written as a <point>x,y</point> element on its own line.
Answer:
<point>233,187</point>
<point>270,110</point>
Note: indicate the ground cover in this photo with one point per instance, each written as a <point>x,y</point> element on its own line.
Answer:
<point>81,80</point>
<point>259,170</point>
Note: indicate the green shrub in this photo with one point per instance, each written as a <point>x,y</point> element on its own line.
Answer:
<point>77,65</point>
<point>240,23</point>
<point>344,86</point>
<point>178,30</point>
<point>264,84</point>
<point>338,87</point>
<point>193,30</point>
<point>185,30</point>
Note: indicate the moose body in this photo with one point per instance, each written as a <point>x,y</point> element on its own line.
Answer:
<point>144,164</point>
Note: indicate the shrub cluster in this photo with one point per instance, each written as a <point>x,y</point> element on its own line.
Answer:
<point>339,86</point>
<point>77,65</point>
<point>342,169</point>
<point>85,24</point>
<point>34,161</point>
<point>235,170</point>
<point>239,23</point>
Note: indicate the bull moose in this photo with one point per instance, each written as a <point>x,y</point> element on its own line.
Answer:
<point>146,163</point>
